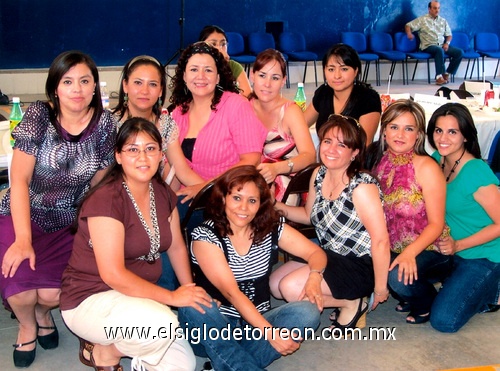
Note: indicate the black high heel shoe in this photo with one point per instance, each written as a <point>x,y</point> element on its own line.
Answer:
<point>49,341</point>
<point>358,321</point>
<point>24,358</point>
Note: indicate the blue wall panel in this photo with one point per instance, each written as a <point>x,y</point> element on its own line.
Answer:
<point>33,32</point>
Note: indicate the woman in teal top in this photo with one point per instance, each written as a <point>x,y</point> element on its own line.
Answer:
<point>473,215</point>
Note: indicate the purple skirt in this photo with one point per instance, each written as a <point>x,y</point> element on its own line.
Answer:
<point>52,252</point>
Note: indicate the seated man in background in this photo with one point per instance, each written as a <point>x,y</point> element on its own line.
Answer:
<point>435,37</point>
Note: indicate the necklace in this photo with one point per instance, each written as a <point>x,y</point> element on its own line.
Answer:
<point>335,186</point>
<point>454,166</point>
<point>154,238</point>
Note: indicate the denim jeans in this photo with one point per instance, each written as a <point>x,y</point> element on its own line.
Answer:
<point>431,267</point>
<point>437,53</point>
<point>247,353</point>
<point>168,279</point>
<point>469,289</point>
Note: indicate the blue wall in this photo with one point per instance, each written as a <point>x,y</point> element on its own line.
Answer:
<point>33,32</point>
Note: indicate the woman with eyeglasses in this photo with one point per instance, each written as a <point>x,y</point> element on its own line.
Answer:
<point>62,147</point>
<point>414,205</point>
<point>344,205</point>
<point>143,88</point>
<point>124,223</point>
<point>473,214</point>
<point>344,93</point>
<point>288,147</point>
<point>215,36</point>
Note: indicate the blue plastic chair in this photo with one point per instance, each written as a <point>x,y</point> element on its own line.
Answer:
<point>381,44</point>
<point>236,50</point>
<point>260,41</point>
<point>410,48</point>
<point>492,161</point>
<point>461,40</point>
<point>357,41</point>
<point>293,44</point>
<point>487,45</point>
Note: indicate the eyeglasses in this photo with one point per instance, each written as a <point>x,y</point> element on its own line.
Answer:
<point>350,119</point>
<point>222,44</point>
<point>151,151</point>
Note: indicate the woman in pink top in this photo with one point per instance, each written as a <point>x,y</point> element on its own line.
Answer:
<point>218,129</point>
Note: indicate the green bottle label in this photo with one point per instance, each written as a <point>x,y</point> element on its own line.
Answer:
<point>13,124</point>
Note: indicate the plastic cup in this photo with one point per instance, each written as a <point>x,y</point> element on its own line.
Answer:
<point>385,100</point>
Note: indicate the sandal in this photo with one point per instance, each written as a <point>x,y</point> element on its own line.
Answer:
<point>403,307</point>
<point>89,347</point>
<point>358,321</point>
<point>418,318</point>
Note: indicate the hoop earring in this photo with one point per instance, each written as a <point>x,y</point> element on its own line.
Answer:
<point>125,100</point>
<point>219,87</point>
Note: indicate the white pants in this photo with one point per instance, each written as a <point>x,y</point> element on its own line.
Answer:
<point>139,328</point>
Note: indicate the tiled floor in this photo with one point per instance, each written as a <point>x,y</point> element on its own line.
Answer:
<point>412,347</point>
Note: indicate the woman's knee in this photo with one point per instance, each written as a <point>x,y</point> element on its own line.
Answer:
<point>49,297</point>
<point>443,322</point>
<point>23,299</point>
<point>292,284</point>
<point>190,316</point>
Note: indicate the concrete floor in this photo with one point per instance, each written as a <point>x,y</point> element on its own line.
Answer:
<point>412,347</point>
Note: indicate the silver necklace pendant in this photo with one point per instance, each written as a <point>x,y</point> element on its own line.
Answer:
<point>154,237</point>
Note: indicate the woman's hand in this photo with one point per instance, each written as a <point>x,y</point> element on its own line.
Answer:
<point>407,269</point>
<point>312,290</point>
<point>191,295</point>
<point>15,255</point>
<point>189,192</point>
<point>379,297</point>
<point>447,246</point>
<point>268,171</point>
<point>281,340</point>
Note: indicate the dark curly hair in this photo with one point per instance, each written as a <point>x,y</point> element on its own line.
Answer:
<point>267,217</point>
<point>354,137</point>
<point>181,96</point>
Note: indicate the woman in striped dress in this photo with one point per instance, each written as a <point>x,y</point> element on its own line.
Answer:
<point>232,253</point>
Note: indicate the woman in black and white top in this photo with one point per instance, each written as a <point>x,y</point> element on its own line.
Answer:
<point>233,253</point>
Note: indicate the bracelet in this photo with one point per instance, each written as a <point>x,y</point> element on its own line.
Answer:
<point>377,294</point>
<point>320,272</point>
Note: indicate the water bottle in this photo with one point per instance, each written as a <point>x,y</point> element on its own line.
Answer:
<point>300,96</point>
<point>104,94</point>
<point>16,115</point>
